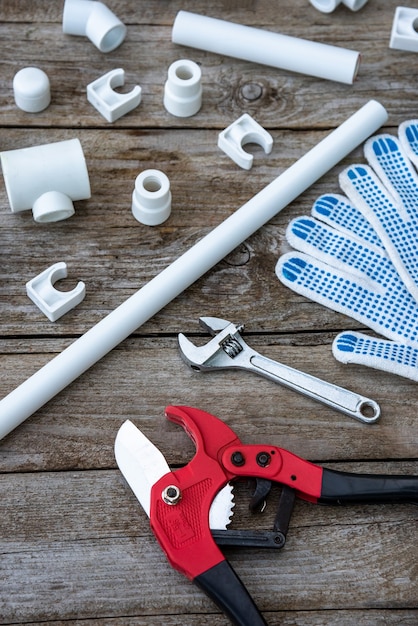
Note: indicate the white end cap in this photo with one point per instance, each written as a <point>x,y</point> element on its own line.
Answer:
<point>31,89</point>
<point>151,199</point>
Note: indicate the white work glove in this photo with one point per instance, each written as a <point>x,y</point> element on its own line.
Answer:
<point>347,269</point>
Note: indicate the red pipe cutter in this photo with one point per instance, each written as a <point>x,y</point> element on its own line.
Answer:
<point>188,505</point>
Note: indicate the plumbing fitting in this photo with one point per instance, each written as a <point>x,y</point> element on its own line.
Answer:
<point>95,21</point>
<point>111,104</point>
<point>46,179</point>
<point>404,35</point>
<point>50,301</point>
<point>244,130</point>
<point>31,89</point>
<point>265,47</point>
<point>183,90</point>
<point>170,282</point>
<point>151,198</point>
<point>328,6</point>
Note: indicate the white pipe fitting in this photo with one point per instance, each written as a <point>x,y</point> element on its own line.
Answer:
<point>328,6</point>
<point>63,369</point>
<point>46,179</point>
<point>404,35</point>
<point>110,103</point>
<point>53,303</point>
<point>183,90</point>
<point>266,47</point>
<point>151,198</point>
<point>31,89</point>
<point>244,130</point>
<point>95,21</point>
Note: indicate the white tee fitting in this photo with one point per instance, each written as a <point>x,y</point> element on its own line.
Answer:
<point>31,89</point>
<point>151,199</point>
<point>46,179</point>
<point>328,6</point>
<point>183,90</point>
<point>93,20</point>
<point>266,47</point>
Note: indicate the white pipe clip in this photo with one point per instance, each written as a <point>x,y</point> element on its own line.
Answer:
<point>404,35</point>
<point>328,6</point>
<point>111,104</point>
<point>50,301</point>
<point>95,21</point>
<point>244,130</point>
<point>46,179</point>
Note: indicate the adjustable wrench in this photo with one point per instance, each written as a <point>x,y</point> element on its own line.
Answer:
<point>228,349</point>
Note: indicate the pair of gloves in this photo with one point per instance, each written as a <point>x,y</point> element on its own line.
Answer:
<point>358,254</point>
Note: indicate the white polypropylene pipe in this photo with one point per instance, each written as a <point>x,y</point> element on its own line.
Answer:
<point>265,47</point>
<point>172,281</point>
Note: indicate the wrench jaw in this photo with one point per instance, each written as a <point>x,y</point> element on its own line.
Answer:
<point>213,325</point>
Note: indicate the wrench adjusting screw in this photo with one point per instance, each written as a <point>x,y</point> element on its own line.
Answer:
<point>171,495</point>
<point>263,459</point>
<point>237,459</point>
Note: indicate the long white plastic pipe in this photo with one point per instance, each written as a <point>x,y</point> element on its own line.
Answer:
<point>172,281</point>
<point>265,47</point>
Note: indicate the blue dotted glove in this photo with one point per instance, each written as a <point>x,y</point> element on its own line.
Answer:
<point>343,265</point>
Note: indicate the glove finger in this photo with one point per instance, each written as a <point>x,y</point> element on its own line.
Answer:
<point>381,311</point>
<point>408,136</point>
<point>336,211</point>
<point>389,356</point>
<point>345,252</point>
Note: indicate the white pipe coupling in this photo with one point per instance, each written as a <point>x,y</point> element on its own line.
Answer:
<point>46,179</point>
<point>95,21</point>
<point>328,6</point>
<point>151,198</point>
<point>183,89</point>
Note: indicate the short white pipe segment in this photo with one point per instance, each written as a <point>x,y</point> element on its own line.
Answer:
<point>266,47</point>
<point>172,281</point>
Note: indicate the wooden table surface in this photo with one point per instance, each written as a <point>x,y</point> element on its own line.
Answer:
<point>76,547</point>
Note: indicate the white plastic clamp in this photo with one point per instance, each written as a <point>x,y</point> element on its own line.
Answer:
<point>183,89</point>
<point>328,6</point>
<point>46,179</point>
<point>244,130</point>
<point>50,301</point>
<point>31,89</point>
<point>151,198</point>
<point>404,35</point>
<point>95,21</point>
<point>111,104</point>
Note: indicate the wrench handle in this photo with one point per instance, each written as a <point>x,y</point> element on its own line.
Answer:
<point>343,400</point>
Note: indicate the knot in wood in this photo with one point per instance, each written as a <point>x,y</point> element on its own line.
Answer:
<point>251,91</point>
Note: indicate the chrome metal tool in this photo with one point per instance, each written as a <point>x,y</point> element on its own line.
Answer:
<point>228,349</point>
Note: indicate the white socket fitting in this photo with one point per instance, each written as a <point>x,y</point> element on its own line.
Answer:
<point>50,301</point>
<point>112,104</point>
<point>46,179</point>
<point>151,198</point>
<point>328,6</point>
<point>183,89</point>
<point>244,130</point>
<point>95,21</point>
<point>404,35</point>
<point>266,47</point>
<point>31,89</point>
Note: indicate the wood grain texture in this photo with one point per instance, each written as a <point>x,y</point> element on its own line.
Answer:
<point>75,546</point>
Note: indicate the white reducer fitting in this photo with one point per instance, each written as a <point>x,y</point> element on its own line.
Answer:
<point>111,104</point>
<point>404,35</point>
<point>151,198</point>
<point>328,6</point>
<point>46,179</point>
<point>95,21</point>
<point>244,130</point>
<point>31,90</point>
<point>50,301</point>
<point>183,89</point>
